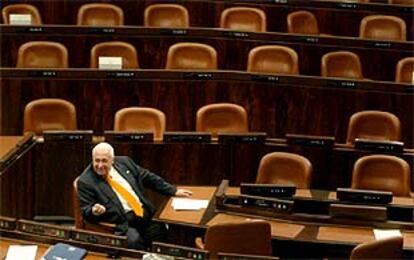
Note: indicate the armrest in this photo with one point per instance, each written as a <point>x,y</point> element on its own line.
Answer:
<point>199,243</point>
<point>102,227</point>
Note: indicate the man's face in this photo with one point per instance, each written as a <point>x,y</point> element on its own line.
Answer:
<point>102,162</point>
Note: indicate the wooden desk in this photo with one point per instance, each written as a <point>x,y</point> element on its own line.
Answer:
<point>275,105</point>
<point>378,58</point>
<point>336,240</point>
<point>334,17</point>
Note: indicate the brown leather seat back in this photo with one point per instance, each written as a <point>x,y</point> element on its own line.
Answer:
<point>273,59</point>
<point>302,22</point>
<point>42,54</point>
<point>383,27</point>
<point>243,19</point>
<point>374,125</point>
<point>341,64</point>
<point>115,49</point>
<point>382,172</point>
<point>36,18</point>
<point>252,237</point>
<point>191,56</point>
<point>140,119</point>
<point>405,70</point>
<point>402,2</point>
<point>100,14</point>
<point>285,168</point>
<point>166,15</point>
<point>49,114</point>
<point>389,248</point>
<point>222,117</point>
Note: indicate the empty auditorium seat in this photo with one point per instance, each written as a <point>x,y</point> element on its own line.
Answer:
<point>166,15</point>
<point>20,9</point>
<point>222,117</point>
<point>123,50</point>
<point>273,59</point>
<point>191,56</point>
<point>140,119</point>
<point>384,173</point>
<point>42,54</point>
<point>374,125</point>
<point>404,72</point>
<point>49,114</point>
<point>383,27</point>
<point>341,64</point>
<point>285,168</point>
<point>302,22</point>
<point>386,248</point>
<point>100,14</point>
<point>243,19</point>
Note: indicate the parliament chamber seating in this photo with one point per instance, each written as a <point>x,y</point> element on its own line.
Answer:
<point>273,59</point>
<point>166,15</point>
<point>191,56</point>
<point>35,17</point>
<point>373,125</point>
<point>80,222</point>
<point>285,168</point>
<point>49,114</point>
<point>243,19</point>
<point>100,14</point>
<point>401,2</point>
<point>252,237</point>
<point>222,117</point>
<point>341,64</point>
<point>404,71</point>
<point>386,248</point>
<point>141,119</point>
<point>383,27</point>
<point>384,173</point>
<point>124,50</point>
<point>42,54</point>
<point>302,22</point>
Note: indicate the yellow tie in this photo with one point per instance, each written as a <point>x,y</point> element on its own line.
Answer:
<point>132,201</point>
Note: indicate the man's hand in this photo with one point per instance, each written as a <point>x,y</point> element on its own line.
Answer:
<point>183,193</point>
<point>98,209</point>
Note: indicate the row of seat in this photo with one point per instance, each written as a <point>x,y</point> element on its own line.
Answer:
<point>58,114</point>
<point>274,59</point>
<point>381,27</point>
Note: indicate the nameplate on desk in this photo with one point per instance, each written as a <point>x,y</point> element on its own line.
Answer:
<point>165,31</point>
<point>268,190</point>
<point>310,140</point>
<point>379,145</point>
<point>358,212</point>
<point>236,34</point>
<point>348,6</point>
<point>99,238</point>
<point>43,73</point>
<point>379,44</point>
<point>279,1</point>
<point>251,137</point>
<point>43,229</point>
<point>68,136</point>
<point>265,78</point>
<point>197,75</point>
<point>342,83</point>
<point>363,196</point>
<point>190,137</point>
<point>179,251</point>
<point>268,204</point>
<point>116,136</point>
<point>307,39</point>
<point>100,30</point>
<point>7,223</point>
<point>120,74</point>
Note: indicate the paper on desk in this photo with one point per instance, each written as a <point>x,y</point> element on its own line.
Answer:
<point>18,252</point>
<point>188,204</point>
<point>386,233</point>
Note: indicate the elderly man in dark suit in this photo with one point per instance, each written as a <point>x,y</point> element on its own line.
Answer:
<point>111,190</point>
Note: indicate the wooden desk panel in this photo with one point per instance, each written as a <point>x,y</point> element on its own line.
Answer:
<point>7,143</point>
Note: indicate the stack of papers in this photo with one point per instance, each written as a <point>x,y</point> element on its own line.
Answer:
<point>386,233</point>
<point>188,204</point>
<point>17,252</point>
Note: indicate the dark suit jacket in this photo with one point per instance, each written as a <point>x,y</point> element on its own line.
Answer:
<point>92,189</point>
